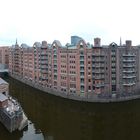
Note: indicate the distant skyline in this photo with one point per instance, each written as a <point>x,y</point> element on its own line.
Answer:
<point>30,21</point>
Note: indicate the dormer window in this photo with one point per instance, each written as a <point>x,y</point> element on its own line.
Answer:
<point>54,47</point>
<point>81,45</point>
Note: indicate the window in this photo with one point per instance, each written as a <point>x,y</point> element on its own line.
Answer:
<point>81,57</point>
<point>89,57</point>
<point>113,87</point>
<point>81,45</point>
<point>97,51</point>
<point>55,77</point>
<point>55,83</point>
<point>81,68</point>
<point>55,66</point>
<point>82,87</point>
<point>55,71</point>
<point>81,53</point>
<point>72,86</point>
<point>89,73</point>
<point>82,80</point>
<point>113,78</point>
<point>55,61</point>
<point>89,87</point>
<point>82,63</point>
<point>55,56</point>
<point>113,50</point>
<point>82,73</point>
<point>113,81</point>
<point>54,51</point>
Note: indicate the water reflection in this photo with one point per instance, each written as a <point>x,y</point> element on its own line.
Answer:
<point>54,118</point>
<point>31,133</point>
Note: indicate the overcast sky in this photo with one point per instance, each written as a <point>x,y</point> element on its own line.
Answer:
<point>37,20</point>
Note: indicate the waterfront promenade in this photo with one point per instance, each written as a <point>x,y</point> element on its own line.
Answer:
<point>90,98</point>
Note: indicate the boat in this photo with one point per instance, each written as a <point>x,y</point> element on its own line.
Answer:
<point>12,115</point>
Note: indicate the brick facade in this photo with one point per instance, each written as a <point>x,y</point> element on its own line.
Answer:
<point>80,68</point>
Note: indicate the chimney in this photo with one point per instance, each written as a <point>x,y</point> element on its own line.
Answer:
<point>128,43</point>
<point>97,42</point>
<point>44,43</point>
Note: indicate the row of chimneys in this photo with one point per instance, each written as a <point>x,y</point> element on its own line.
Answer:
<point>97,42</point>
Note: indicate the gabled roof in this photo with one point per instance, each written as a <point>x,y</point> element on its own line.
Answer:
<point>2,81</point>
<point>57,42</point>
<point>23,45</point>
<point>113,44</point>
<point>3,97</point>
<point>37,44</point>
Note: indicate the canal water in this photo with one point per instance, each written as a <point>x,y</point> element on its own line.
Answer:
<point>54,118</point>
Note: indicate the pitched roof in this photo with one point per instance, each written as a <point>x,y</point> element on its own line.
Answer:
<point>3,81</point>
<point>3,97</point>
<point>58,43</point>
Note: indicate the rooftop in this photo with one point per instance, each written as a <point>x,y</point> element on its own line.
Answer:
<point>3,97</point>
<point>3,81</point>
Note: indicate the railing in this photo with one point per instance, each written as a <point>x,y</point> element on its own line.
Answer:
<point>129,84</point>
<point>99,85</point>
<point>98,66</point>
<point>44,53</point>
<point>81,76</point>
<point>98,55</point>
<point>129,60</point>
<point>129,71</point>
<point>129,77</point>
<point>129,55</point>
<point>98,77</point>
<point>98,71</point>
<point>129,65</point>
<point>98,60</point>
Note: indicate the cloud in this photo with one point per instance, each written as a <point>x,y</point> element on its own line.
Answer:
<point>58,19</point>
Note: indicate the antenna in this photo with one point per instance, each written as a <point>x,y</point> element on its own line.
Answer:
<point>16,42</point>
<point>120,41</point>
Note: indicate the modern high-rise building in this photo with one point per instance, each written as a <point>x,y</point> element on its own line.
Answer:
<point>75,39</point>
<point>79,68</point>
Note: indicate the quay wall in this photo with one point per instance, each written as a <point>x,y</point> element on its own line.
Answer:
<point>75,97</point>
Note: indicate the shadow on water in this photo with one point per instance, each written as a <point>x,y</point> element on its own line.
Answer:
<point>56,118</point>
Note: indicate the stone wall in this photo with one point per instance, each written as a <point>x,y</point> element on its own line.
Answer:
<point>91,98</point>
